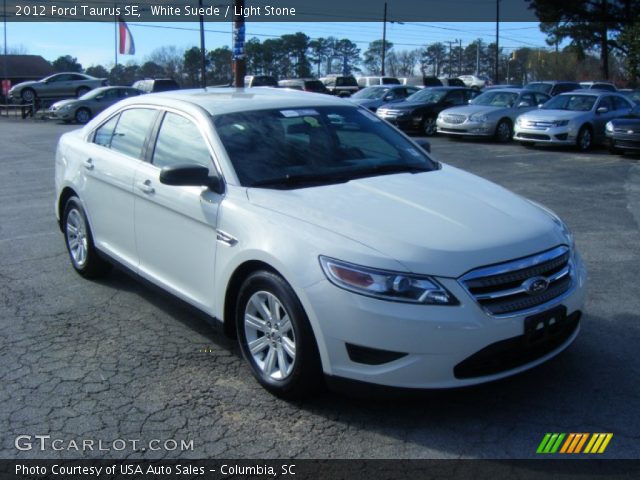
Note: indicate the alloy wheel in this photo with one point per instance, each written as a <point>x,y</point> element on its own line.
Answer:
<point>270,336</point>
<point>77,238</point>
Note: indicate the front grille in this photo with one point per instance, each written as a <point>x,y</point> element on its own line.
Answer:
<point>506,288</point>
<point>391,113</point>
<point>454,119</point>
<point>627,143</point>
<point>533,136</point>
<point>534,124</point>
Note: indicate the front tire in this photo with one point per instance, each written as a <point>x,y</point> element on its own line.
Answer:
<point>28,95</point>
<point>429,127</point>
<point>504,131</point>
<point>79,241</point>
<point>584,141</point>
<point>83,115</point>
<point>275,337</point>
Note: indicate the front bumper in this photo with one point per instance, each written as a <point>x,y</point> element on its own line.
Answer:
<point>564,135</point>
<point>467,128</point>
<point>423,344</point>
<point>624,141</point>
<point>60,114</point>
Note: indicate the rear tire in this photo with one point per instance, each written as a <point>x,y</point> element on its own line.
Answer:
<point>79,241</point>
<point>275,337</point>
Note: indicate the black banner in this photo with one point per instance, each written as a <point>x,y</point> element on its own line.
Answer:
<point>267,10</point>
<point>320,469</point>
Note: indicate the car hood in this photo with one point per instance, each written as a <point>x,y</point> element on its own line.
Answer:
<point>542,115</point>
<point>479,109</point>
<point>627,122</point>
<point>25,84</point>
<point>443,223</point>
<point>62,103</point>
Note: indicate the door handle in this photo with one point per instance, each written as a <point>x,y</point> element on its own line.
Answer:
<point>88,164</point>
<point>145,187</point>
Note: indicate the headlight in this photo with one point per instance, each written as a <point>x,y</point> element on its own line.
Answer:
<point>478,118</point>
<point>609,127</point>
<point>65,108</point>
<point>519,121</point>
<point>386,285</point>
<point>561,123</point>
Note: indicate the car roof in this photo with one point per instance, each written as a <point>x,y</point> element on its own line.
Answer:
<point>552,82</point>
<point>218,101</point>
<point>512,90</point>
<point>593,92</point>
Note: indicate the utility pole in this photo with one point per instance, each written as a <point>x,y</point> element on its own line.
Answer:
<point>239,64</point>
<point>4,62</point>
<point>497,59</point>
<point>384,37</point>
<point>450,67</point>
<point>478,57</point>
<point>460,57</point>
<point>203,53</point>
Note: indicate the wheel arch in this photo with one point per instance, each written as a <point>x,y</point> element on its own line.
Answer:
<point>65,195</point>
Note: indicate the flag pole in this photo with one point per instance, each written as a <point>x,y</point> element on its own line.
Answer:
<point>115,34</point>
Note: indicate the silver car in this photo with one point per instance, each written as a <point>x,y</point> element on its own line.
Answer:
<point>575,118</point>
<point>90,104</point>
<point>491,114</point>
<point>60,85</point>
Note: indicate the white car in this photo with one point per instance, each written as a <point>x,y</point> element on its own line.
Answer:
<point>328,247</point>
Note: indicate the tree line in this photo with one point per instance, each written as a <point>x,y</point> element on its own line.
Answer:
<point>296,55</point>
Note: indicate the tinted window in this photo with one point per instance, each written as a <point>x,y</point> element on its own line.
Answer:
<point>528,98</point>
<point>314,86</point>
<point>566,87</point>
<point>346,82</point>
<point>77,77</point>
<point>606,102</point>
<point>621,103</point>
<point>105,132</point>
<point>456,97</point>
<point>576,103</point>
<point>604,86</point>
<point>132,130</point>
<point>164,85</point>
<point>541,98</point>
<point>390,81</point>
<point>60,78</point>
<point>180,142</point>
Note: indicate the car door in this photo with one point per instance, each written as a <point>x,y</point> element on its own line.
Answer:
<point>176,225</point>
<point>54,86</point>
<point>112,157</point>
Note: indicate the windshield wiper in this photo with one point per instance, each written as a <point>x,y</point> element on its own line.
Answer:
<point>310,179</point>
<point>301,179</point>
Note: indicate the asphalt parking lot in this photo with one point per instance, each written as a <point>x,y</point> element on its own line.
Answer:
<point>115,359</point>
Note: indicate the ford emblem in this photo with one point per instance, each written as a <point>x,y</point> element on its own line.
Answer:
<point>535,285</point>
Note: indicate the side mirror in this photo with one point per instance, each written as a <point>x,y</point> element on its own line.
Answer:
<point>100,97</point>
<point>470,102</point>
<point>524,104</point>
<point>191,175</point>
<point>540,105</point>
<point>602,110</point>
<point>424,144</point>
<point>387,97</point>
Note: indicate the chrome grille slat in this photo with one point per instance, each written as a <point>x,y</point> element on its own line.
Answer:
<point>500,289</point>
<point>454,119</point>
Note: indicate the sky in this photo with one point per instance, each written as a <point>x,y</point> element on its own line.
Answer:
<point>92,43</point>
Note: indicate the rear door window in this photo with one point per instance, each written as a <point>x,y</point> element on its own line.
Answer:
<point>131,131</point>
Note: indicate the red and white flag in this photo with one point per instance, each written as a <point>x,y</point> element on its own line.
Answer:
<point>127,47</point>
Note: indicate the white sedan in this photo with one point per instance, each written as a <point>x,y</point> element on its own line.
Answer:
<point>325,239</point>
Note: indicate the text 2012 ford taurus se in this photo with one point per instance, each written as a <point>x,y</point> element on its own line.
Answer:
<point>324,238</point>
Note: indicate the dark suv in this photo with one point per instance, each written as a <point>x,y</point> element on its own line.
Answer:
<point>343,86</point>
<point>304,84</point>
<point>153,85</point>
<point>418,113</point>
<point>552,88</point>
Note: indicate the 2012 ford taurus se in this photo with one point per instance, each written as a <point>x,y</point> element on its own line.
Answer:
<point>321,236</point>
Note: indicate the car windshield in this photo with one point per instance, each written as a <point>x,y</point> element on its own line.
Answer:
<point>539,87</point>
<point>576,103</point>
<point>309,146</point>
<point>427,95</point>
<point>496,99</point>
<point>370,93</point>
<point>93,93</point>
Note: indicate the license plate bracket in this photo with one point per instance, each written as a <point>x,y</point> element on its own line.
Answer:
<point>544,326</point>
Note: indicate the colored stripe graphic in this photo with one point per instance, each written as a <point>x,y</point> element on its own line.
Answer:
<point>552,442</point>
